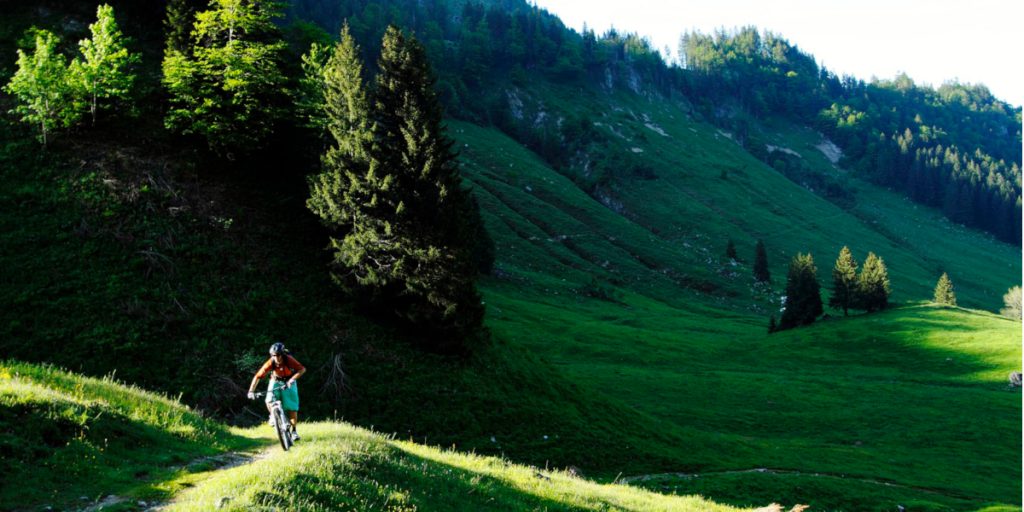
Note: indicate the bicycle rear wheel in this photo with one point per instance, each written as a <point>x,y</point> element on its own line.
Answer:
<point>281,425</point>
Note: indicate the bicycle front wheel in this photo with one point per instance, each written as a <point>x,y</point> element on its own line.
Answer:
<point>281,424</point>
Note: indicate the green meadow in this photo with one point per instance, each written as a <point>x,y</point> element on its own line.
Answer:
<point>628,293</point>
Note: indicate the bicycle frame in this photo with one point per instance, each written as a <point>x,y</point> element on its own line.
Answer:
<point>281,422</point>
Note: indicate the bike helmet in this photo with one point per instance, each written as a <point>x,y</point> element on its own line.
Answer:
<point>277,348</point>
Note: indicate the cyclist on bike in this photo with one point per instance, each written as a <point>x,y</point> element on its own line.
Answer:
<point>285,369</point>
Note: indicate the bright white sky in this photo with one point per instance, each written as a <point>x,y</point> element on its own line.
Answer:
<point>975,41</point>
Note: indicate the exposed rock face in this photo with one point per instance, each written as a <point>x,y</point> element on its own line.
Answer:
<point>831,151</point>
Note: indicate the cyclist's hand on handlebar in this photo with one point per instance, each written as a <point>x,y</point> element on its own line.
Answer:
<point>251,395</point>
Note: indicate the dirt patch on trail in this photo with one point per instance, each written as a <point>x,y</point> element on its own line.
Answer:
<point>219,462</point>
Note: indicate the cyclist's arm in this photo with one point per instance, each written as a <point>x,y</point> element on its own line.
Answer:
<point>255,381</point>
<point>259,375</point>
<point>297,375</point>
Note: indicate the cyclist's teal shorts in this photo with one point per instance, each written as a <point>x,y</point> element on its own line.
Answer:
<point>289,397</point>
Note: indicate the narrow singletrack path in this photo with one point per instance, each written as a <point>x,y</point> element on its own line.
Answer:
<point>837,476</point>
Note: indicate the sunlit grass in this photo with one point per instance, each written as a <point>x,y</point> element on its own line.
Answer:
<point>70,437</point>
<point>340,467</point>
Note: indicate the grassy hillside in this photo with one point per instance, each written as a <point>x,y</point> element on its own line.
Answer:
<point>339,467</point>
<point>630,295</point>
<point>70,440</point>
<point>124,265</point>
<point>68,437</point>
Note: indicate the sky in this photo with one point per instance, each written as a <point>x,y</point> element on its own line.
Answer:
<point>972,41</point>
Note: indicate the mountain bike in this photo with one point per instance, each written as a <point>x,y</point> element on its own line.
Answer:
<point>279,420</point>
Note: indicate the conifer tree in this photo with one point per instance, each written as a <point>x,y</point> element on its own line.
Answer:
<point>730,250</point>
<point>342,191</point>
<point>419,179</point>
<point>844,282</point>
<point>40,85</point>
<point>803,293</point>
<point>873,284</point>
<point>178,25</point>
<point>228,86</point>
<point>392,189</point>
<point>761,273</point>
<point>944,291</point>
<point>104,71</point>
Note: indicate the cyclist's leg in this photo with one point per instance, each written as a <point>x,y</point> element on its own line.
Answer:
<point>270,398</point>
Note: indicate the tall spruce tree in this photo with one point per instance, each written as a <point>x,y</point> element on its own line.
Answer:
<point>844,282</point>
<point>104,72</point>
<point>730,250</point>
<point>944,291</point>
<point>761,273</point>
<point>803,293</point>
<point>873,284</point>
<point>178,25</point>
<point>228,86</point>
<point>392,188</point>
<point>343,191</point>
<point>420,180</point>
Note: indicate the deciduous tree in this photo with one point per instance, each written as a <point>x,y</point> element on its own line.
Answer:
<point>1011,302</point>
<point>40,85</point>
<point>104,72</point>
<point>229,88</point>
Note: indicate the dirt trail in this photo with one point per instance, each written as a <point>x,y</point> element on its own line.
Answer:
<point>837,476</point>
<point>218,462</point>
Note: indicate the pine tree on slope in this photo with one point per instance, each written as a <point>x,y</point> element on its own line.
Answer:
<point>944,291</point>
<point>803,293</point>
<point>392,189</point>
<point>873,284</point>
<point>761,273</point>
<point>844,282</point>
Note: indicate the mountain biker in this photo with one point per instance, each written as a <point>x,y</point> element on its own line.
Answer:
<point>284,370</point>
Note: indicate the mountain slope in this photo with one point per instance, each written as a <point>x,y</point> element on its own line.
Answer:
<point>634,299</point>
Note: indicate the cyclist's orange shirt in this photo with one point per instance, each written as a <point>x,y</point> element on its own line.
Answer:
<point>284,371</point>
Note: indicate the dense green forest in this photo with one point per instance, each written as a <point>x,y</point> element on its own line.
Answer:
<point>956,148</point>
